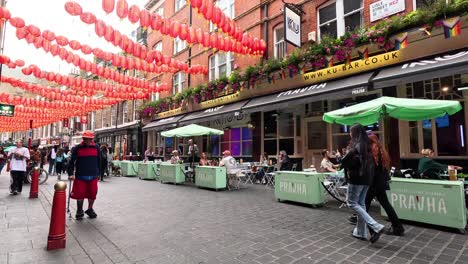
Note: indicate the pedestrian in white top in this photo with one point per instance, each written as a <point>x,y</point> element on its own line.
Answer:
<point>230,163</point>
<point>53,156</point>
<point>18,156</point>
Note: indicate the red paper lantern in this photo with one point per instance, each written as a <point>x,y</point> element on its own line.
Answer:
<point>4,13</point>
<point>199,35</point>
<point>134,14</point>
<point>196,3</point>
<point>156,22</point>
<point>75,45</point>
<point>21,33</point>
<point>109,34</point>
<point>209,12</point>
<point>48,35</point>
<point>17,22</point>
<point>54,49</point>
<point>33,30</point>
<point>61,40</point>
<point>117,37</point>
<point>108,6</point>
<point>175,28</point>
<point>206,39</point>
<point>73,8</point>
<point>11,65</point>
<point>30,38</point>
<point>100,28</point>
<point>122,9</point>
<point>183,32</point>
<point>145,18</point>
<point>86,49</point>
<point>88,18</point>
<point>192,37</point>
<point>37,43</point>
<point>216,15</point>
<point>19,63</point>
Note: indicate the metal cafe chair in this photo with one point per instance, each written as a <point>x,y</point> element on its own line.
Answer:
<point>270,176</point>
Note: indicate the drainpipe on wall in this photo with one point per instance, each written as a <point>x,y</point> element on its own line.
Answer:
<point>265,29</point>
<point>189,61</point>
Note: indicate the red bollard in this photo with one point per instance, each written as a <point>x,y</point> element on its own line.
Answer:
<point>57,233</point>
<point>34,190</point>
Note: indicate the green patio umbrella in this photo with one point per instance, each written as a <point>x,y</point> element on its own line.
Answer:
<point>400,108</point>
<point>191,131</point>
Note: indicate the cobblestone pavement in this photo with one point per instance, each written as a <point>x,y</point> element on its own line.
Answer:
<point>148,222</point>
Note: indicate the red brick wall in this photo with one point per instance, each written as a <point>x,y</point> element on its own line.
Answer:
<point>249,16</point>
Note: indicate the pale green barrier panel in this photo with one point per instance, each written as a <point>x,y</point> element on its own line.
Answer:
<point>434,202</point>
<point>303,187</point>
<point>210,177</point>
<point>148,171</point>
<point>172,173</point>
<point>129,168</point>
<point>116,163</point>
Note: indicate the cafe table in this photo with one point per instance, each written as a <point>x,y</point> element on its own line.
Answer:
<point>300,186</point>
<point>148,171</point>
<point>129,168</point>
<point>171,173</point>
<point>210,177</point>
<point>436,202</point>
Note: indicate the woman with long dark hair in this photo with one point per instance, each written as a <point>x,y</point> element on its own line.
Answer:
<point>360,167</point>
<point>381,184</point>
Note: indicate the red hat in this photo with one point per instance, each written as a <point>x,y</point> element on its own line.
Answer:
<point>88,134</point>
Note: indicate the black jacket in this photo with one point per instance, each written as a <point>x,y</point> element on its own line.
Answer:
<point>359,168</point>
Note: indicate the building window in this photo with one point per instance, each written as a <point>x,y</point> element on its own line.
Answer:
<point>104,118</point>
<point>280,44</point>
<point>227,6</point>
<point>422,3</point>
<point>179,4</point>
<point>179,45</point>
<point>278,132</point>
<point>338,17</point>
<point>178,82</point>
<point>446,134</point>
<point>134,110</point>
<point>221,64</point>
<point>113,113</point>
<point>124,112</point>
<point>238,140</point>
<point>158,46</point>
<point>155,96</point>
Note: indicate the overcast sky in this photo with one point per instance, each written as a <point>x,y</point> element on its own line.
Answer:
<point>51,15</point>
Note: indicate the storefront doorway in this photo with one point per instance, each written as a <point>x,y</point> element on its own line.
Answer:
<point>316,139</point>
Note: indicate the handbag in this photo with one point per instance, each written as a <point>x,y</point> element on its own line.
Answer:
<point>8,166</point>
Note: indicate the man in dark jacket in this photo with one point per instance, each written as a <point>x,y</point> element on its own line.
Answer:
<point>84,167</point>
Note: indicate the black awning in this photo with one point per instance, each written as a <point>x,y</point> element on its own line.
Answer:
<point>214,112</point>
<point>419,70</point>
<point>346,87</point>
<point>163,123</point>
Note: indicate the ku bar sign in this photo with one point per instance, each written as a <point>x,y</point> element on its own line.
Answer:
<point>292,26</point>
<point>7,110</point>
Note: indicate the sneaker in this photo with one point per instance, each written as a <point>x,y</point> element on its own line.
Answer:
<point>90,212</point>
<point>15,192</point>
<point>352,219</point>
<point>376,235</point>
<point>395,232</point>
<point>79,215</point>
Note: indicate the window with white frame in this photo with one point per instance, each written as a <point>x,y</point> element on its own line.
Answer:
<point>339,16</point>
<point>158,46</point>
<point>155,96</point>
<point>113,113</point>
<point>280,44</point>
<point>124,112</point>
<point>179,4</point>
<point>422,3</point>
<point>134,110</point>
<point>103,118</point>
<point>179,45</point>
<point>227,6</point>
<point>178,82</point>
<point>221,64</point>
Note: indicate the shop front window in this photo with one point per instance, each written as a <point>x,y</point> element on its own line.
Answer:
<point>340,16</point>
<point>237,140</point>
<point>270,130</point>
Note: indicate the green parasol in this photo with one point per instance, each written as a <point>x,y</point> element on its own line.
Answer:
<point>7,149</point>
<point>400,108</point>
<point>191,131</point>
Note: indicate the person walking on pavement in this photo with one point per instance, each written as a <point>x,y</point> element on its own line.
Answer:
<point>18,156</point>
<point>359,167</point>
<point>43,153</point>
<point>381,184</point>
<point>52,156</point>
<point>83,168</point>
<point>3,159</point>
<point>103,161</point>
<point>60,161</point>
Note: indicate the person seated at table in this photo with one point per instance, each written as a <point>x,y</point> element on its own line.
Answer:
<point>204,160</point>
<point>326,165</point>
<point>175,159</point>
<point>284,161</point>
<point>148,154</point>
<point>431,168</point>
<point>264,159</point>
<point>230,163</point>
